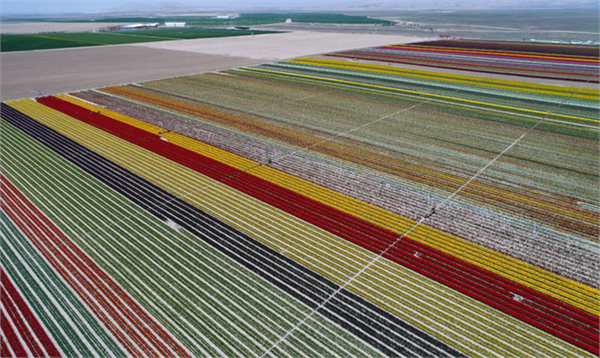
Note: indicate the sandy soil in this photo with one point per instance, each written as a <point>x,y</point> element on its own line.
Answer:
<point>27,74</point>
<point>37,27</point>
<point>276,47</point>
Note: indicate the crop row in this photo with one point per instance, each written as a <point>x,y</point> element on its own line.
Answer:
<point>73,329</point>
<point>126,320</point>
<point>422,154</point>
<point>571,125</point>
<point>194,300</point>
<point>585,105</point>
<point>400,73</point>
<point>540,48</point>
<point>299,283</point>
<point>469,279</point>
<point>538,65</point>
<point>469,319</point>
<point>534,245</point>
<point>290,183</point>
<point>138,136</point>
<point>577,112</point>
<point>24,334</point>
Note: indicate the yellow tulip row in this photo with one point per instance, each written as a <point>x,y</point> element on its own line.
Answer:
<point>528,54</point>
<point>517,110</point>
<point>564,289</point>
<point>465,323</point>
<point>583,93</point>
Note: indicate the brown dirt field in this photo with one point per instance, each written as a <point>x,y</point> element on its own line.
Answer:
<point>26,74</point>
<point>276,47</point>
<point>37,27</point>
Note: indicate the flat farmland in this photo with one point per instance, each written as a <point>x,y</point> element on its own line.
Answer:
<point>24,27</point>
<point>306,206</point>
<point>25,74</point>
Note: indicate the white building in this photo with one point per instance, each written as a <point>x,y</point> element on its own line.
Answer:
<point>139,26</point>
<point>227,17</point>
<point>175,24</point>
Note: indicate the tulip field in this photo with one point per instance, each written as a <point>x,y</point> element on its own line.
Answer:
<point>319,206</point>
<point>571,62</point>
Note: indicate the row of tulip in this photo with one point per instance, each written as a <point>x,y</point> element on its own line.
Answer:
<point>125,133</point>
<point>510,94</point>
<point>535,47</point>
<point>486,58</point>
<point>422,154</point>
<point>493,327</point>
<point>531,244</point>
<point>207,301</point>
<point>232,310</point>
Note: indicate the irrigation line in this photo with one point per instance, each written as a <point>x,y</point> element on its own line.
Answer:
<point>425,217</point>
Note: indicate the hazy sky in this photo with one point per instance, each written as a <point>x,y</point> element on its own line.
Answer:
<point>90,6</point>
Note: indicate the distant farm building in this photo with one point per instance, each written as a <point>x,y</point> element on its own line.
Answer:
<point>227,17</point>
<point>139,26</point>
<point>175,24</point>
<point>444,37</point>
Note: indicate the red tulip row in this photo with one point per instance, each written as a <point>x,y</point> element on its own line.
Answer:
<point>19,315</point>
<point>139,333</point>
<point>536,246</point>
<point>569,323</point>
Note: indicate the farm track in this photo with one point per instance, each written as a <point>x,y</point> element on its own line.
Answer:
<point>291,277</point>
<point>164,164</point>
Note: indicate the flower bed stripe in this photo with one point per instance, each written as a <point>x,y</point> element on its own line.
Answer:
<point>457,99</point>
<point>453,79</point>
<point>12,339</point>
<point>493,53</point>
<point>469,325</point>
<point>74,330</point>
<point>575,293</point>
<point>145,236</point>
<point>136,330</point>
<point>479,284</point>
<point>536,65</point>
<point>283,272</point>
<point>5,351</point>
<point>29,327</point>
<point>541,248</point>
<point>580,295</point>
<point>537,48</point>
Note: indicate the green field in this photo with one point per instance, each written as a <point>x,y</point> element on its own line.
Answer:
<point>243,19</point>
<point>538,19</point>
<point>78,39</point>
